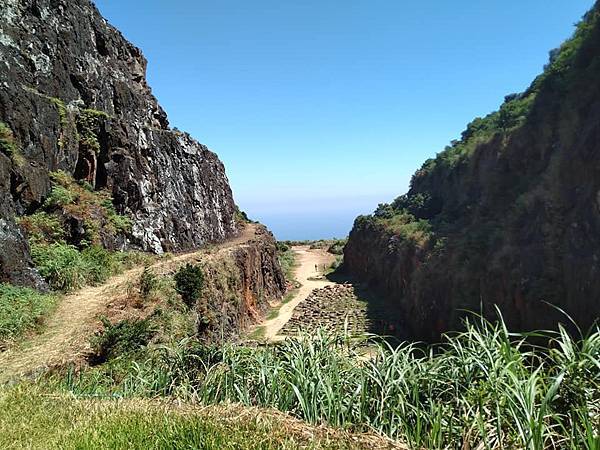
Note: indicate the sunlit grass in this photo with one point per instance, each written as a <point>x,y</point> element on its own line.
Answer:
<point>482,387</point>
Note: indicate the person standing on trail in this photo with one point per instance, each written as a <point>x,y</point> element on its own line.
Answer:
<point>316,268</point>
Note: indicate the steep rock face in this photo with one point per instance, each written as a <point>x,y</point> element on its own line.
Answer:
<point>74,94</point>
<point>507,216</point>
<point>239,284</point>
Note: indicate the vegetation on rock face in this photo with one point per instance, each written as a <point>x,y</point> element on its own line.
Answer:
<point>67,236</point>
<point>7,140</point>
<point>88,122</point>
<point>481,387</point>
<point>480,216</point>
<point>21,310</point>
<point>9,146</point>
<point>287,260</point>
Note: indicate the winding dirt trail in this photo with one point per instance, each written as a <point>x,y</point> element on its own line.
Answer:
<point>65,336</point>
<point>310,265</point>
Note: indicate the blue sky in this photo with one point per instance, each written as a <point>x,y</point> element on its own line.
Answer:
<point>320,109</point>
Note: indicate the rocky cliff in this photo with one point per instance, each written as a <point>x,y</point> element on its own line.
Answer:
<point>509,215</point>
<point>239,283</point>
<point>74,98</point>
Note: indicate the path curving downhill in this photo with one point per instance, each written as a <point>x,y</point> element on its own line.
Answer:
<point>65,336</point>
<point>305,273</point>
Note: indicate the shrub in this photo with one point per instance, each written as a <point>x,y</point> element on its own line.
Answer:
<point>88,126</point>
<point>59,197</point>
<point>282,247</point>
<point>287,261</point>
<point>241,216</point>
<point>42,227</point>
<point>66,268</point>
<point>60,264</point>
<point>21,309</point>
<point>188,283</point>
<point>122,337</point>
<point>337,247</point>
<point>99,264</point>
<point>148,282</point>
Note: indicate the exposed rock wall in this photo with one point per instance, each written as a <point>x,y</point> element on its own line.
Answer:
<point>74,93</point>
<point>239,284</point>
<point>509,219</point>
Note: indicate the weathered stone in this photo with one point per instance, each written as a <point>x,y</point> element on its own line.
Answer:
<point>60,61</point>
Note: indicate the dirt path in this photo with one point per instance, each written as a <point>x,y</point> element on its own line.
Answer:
<point>305,273</point>
<point>65,336</point>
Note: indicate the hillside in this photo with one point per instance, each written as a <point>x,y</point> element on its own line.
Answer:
<point>508,215</point>
<point>74,102</point>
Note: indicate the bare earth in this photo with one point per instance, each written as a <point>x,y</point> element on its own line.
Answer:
<point>66,334</point>
<point>306,259</point>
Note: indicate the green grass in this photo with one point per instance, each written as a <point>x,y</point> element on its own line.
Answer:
<point>287,261</point>
<point>21,310</point>
<point>481,387</point>
<point>34,417</point>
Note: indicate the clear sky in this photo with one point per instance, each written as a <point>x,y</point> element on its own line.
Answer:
<point>320,109</point>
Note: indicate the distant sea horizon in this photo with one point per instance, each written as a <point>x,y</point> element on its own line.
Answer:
<point>301,219</point>
<point>307,226</point>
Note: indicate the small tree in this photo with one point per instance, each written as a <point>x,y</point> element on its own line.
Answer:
<point>188,283</point>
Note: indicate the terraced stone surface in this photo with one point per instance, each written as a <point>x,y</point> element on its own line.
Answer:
<point>343,305</point>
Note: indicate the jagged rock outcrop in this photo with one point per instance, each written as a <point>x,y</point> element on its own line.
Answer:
<point>509,215</point>
<point>239,283</point>
<point>74,95</point>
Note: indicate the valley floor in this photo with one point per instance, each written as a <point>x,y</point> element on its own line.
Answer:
<point>326,299</point>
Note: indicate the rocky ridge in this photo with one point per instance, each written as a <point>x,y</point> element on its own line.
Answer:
<point>508,216</point>
<point>74,98</point>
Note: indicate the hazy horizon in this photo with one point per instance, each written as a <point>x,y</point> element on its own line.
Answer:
<point>322,110</point>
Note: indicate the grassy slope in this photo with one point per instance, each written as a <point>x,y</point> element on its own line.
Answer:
<point>35,418</point>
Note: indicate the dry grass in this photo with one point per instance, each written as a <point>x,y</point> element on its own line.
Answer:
<point>35,419</point>
<point>65,337</point>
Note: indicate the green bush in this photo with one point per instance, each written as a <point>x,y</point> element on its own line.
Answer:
<point>21,309</point>
<point>282,247</point>
<point>122,337</point>
<point>60,264</point>
<point>337,247</point>
<point>99,263</point>
<point>42,227</point>
<point>287,261</point>
<point>59,197</point>
<point>148,282</point>
<point>188,283</point>
<point>65,268</point>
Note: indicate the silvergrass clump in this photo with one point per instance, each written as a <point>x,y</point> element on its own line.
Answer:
<point>21,309</point>
<point>482,388</point>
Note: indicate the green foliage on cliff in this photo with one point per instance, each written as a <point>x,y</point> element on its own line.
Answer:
<point>7,140</point>
<point>496,201</point>
<point>88,126</point>
<point>70,199</point>
<point>21,309</point>
<point>9,146</point>
<point>69,262</point>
